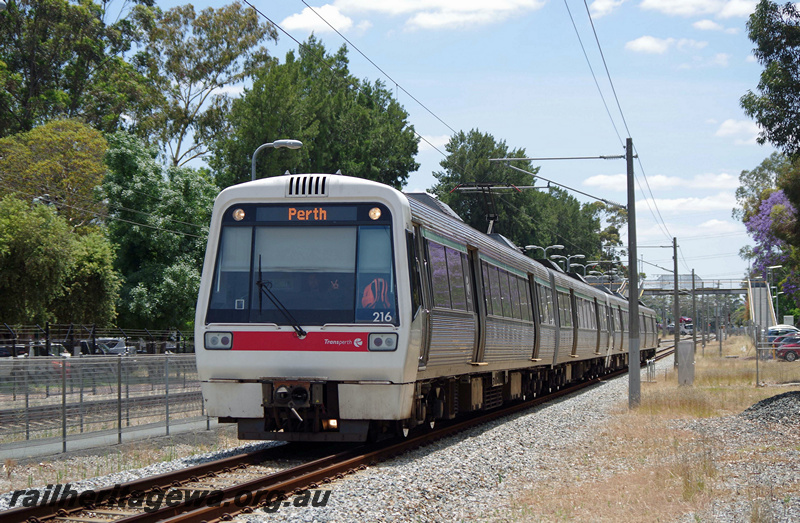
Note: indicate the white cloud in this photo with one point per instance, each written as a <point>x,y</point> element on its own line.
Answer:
<point>718,8</point>
<point>310,22</point>
<point>707,25</point>
<point>719,227</point>
<point>714,181</point>
<point>429,142</point>
<point>743,131</point>
<point>660,182</point>
<point>600,8</point>
<point>650,45</point>
<point>439,14</point>
<point>611,182</point>
<point>653,45</point>
<point>723,201</point>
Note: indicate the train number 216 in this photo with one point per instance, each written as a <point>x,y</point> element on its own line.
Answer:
<point>381,317</point>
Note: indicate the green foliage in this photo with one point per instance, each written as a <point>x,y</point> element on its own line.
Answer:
<point>188,57</point>
<point>776,32</point>
<point>61,163</point>
<point>343,123</point>
<point>49,273</point>
<point>757,184</point>
<point>159,224</point>
<point>60,59</point>
<point>91,285</point>
<point>524,216</point>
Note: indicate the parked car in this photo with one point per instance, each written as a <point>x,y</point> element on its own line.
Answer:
<point>97,348</point>
<point>116,345</point>
<point>780,330</point>
<point>789,351</point>
<point>786,338</point>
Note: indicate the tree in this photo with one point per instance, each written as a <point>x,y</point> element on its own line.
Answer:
<point>758,183</point>
<point>524,216</point>
<point>49,273</point>
<point>345,124</point>
<point>159,222</point>
<point>60,59</point>
<point>189,58</point>
<point>60,163</point>
<point>776,108</point>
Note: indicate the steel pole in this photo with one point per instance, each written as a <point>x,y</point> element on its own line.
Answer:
<point>634,357</point>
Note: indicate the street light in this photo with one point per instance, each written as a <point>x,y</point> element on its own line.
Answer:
<point>567,258</point>
<point>582,266</point>
<point>277,144</point>
<point>531,247</point>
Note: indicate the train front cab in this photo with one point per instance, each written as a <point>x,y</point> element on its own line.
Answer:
<point>306,331</point>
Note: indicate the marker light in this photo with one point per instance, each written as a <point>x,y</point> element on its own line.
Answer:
<point>383,342</point>
<point>238,215</point>
<point>375,213</point>
<point>218,340</point>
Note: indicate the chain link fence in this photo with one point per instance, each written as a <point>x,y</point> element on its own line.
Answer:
<point>46,400</point>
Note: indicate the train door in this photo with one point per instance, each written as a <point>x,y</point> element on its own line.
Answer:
<point>417,247</point>
<point>576,304</point>
<point>537,320</point>
<point>476,280</point>
<point>599,325</point>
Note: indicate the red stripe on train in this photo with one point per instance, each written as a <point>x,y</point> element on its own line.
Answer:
<point>314,341</point>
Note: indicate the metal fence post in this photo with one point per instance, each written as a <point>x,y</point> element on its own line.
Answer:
<point>166,389</point>
<point>119,400</point>
<point>63,404</point>
<point>80,393</point>
<point>27,400</point>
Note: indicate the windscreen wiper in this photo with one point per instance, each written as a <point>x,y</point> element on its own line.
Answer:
<point>264,287</point>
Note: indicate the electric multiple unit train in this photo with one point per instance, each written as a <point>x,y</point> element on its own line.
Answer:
<point>334,308</point>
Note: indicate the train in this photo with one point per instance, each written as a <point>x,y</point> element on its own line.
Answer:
<point>334,308</point>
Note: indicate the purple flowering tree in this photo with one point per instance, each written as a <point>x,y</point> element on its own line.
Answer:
<point>769,228</point>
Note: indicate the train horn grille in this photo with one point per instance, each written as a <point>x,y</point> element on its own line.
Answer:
<point>307,186</point>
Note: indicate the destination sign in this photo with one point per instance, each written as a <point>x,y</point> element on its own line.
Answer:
<point>303,214</point>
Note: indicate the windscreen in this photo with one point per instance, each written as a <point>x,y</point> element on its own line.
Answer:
<point>319,274</point>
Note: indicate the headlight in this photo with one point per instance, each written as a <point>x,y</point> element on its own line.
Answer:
<point>383,342</point>
<point>218,340</point>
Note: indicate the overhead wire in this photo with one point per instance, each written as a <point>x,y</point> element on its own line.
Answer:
<point>660,220</point>
<point>105,216</point>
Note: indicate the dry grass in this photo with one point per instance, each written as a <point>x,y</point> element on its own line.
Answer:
<point>649,470</point>
<point>78,465</point>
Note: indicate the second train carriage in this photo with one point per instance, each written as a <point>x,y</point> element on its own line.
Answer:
<point>333,306</point>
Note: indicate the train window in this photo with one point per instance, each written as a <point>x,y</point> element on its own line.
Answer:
<point>564,309</point>
<point>375,285</point>
<point>546,309</point>
<point>487,288</point>
<point>413,273</point>
<point>505,294</point>
<point>497,304</point>
<point>439,278</point>
<point>467,281</point>
<point>230,290</point>
<point>524,299</point>
<point>455,269</point>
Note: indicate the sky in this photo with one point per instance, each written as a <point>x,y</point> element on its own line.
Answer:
<point>515,69</point>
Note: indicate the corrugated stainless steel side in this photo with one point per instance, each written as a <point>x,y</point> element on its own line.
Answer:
<point>604,342</point>
<point>452,338</point>
<point>565,346</point>
<point>547,345</point>
<point>508,340</point>
<point>587,343</point>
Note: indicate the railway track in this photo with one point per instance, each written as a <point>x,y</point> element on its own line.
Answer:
<point>92,408</point>
<point>221,489</point>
